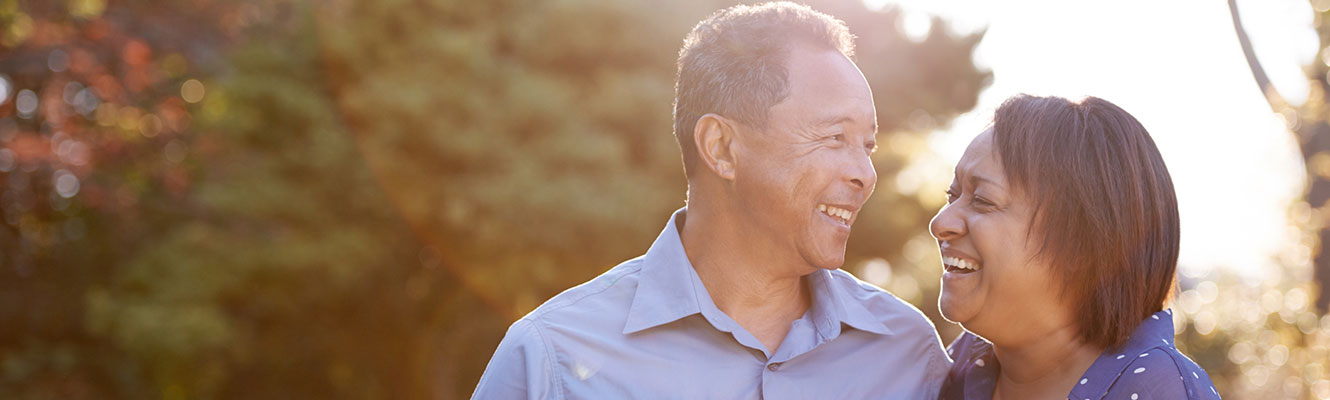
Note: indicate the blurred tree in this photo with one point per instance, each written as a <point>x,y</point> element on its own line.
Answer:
<point>1271,339</point>
<point>537,152</point>
<point>93,166</point>
<point>1311,123</point>
<point>353,199</point>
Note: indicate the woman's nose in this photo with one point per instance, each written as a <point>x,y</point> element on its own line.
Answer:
<point>947,224</point>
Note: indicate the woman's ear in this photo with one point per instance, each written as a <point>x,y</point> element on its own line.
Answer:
<point>714,137</point>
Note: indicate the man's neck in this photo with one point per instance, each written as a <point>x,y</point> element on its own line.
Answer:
<point>763,297</point>
<point>1047,368</point>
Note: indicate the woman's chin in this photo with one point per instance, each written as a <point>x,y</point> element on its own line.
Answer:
<point>953,310</point>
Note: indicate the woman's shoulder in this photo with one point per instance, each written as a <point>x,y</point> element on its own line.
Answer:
<point>1148,366</point>
<point>967,345</point>
<point>973,370</point>
<point>1163,372</point>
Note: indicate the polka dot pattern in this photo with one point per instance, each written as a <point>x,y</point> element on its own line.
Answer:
<point>1157,371</point>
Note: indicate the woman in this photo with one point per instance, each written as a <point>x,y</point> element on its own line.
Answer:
<point>1060,241</point>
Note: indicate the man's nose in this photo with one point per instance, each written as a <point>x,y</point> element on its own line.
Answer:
<point>861,174</point>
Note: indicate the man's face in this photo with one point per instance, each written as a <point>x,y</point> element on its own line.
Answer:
<point>803,179</point>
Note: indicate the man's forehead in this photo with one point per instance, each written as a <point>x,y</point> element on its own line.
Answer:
<point>825,89</point>
<point>846,118</point>
<point>823,71</point>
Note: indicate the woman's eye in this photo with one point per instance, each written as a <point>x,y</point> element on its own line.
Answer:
<point>951,196</point>
<point>838,137</point>
<point>983,202</point>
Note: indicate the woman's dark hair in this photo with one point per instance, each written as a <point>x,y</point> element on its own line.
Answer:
<point>1104,203</point>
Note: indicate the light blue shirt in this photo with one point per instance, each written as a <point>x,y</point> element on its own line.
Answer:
<point>647,329</point>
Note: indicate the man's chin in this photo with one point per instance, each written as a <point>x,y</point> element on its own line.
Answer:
<point>831,262</point>
<point>829,254</point>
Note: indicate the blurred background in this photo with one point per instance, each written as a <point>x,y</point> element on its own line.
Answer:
<point>278,199</point>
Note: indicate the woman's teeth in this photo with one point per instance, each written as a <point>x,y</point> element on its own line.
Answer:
<point>835,212</point>
<point>958,263</point>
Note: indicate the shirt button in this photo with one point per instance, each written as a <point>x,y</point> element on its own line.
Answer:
<point>773,367</point>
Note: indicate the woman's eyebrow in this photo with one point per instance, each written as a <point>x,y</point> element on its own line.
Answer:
<point>976,179</point>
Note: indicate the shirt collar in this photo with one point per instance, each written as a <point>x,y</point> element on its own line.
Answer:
<point>665,291</point>
<point>669,289</point>
<point>1154,331</point>
<point>834,303</point>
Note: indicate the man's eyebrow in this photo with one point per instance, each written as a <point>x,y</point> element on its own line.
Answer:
<point>829,121</point>
<point>837,120</point>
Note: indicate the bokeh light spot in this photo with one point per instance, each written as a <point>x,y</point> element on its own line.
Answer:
<point>6,160</point>
<point>175,151</point>
<point>26,103</point>
<point>4,88</point>
<point>57,61</point>
<point>1321,389</point>
<point>192,91</point>
<point>18,30</point>
<point>129,118</point>
<point>150,125</point>
<point>66,184</point>
<point>86,9</point>
<point>70,92</point>
<point>1205,322</point>
<point>877,271</point>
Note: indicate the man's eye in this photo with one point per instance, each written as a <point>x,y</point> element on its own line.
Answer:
<point>951,196</point>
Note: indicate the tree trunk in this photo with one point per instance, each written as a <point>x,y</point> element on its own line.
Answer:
<point>1313,139</point>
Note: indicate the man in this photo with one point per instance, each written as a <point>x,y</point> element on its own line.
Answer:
<point>740,297</point>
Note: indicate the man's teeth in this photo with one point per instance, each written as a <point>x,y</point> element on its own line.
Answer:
<point>837,212</point>
<point>959,263</point>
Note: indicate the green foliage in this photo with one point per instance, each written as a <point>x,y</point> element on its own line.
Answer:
<point>370,191</point>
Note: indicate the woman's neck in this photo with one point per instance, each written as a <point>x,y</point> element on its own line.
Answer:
<point>1044,368</point>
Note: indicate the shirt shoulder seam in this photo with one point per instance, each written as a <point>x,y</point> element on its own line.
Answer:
<point>550,306</point>
<point>548,348</point>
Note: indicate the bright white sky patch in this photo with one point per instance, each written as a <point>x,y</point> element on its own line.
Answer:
<point>1177,66</point>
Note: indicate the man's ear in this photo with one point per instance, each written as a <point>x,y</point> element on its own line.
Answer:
<point>714,137</point>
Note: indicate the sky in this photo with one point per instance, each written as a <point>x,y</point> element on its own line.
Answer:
<point>1177,67</point>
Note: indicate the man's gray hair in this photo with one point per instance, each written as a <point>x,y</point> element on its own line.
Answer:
<point>733,64</point>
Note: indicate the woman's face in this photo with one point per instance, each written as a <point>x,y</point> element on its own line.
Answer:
<point>993,285</point>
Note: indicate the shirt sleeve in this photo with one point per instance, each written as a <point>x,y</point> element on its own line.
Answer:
<point>521,367</point>
<point>1153,375</point>
<point>938,367</point>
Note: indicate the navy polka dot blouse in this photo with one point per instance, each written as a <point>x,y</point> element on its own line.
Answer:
<point>1148,366</point>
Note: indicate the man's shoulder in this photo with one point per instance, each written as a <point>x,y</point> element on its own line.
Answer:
<point>881,305</point>
<point>587,313</point>
<point>609,294</point>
